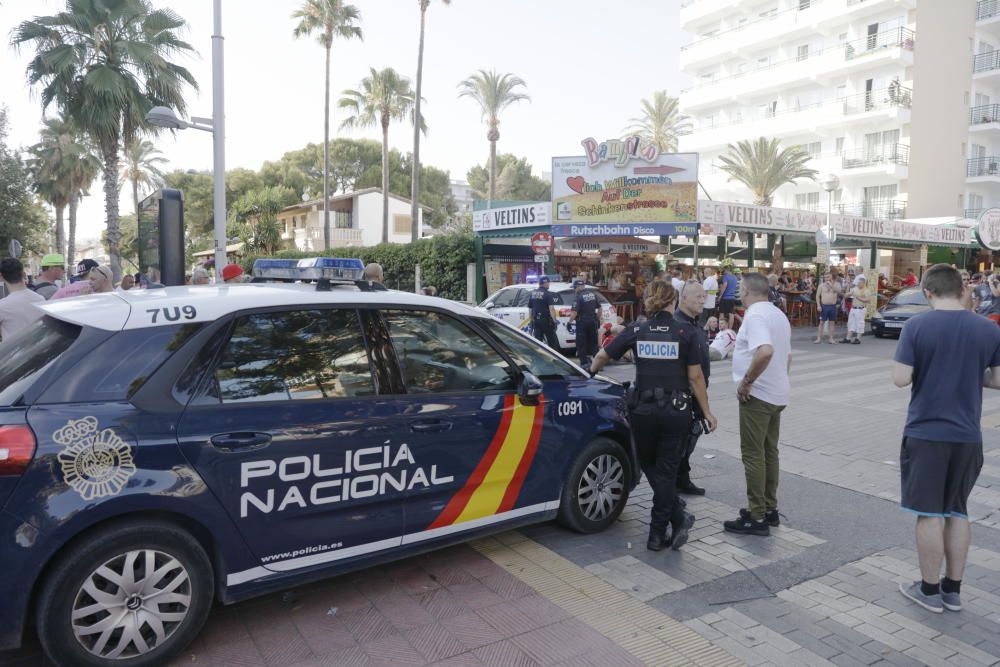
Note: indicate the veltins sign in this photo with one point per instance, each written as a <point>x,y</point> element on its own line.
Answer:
<point>988,231</point>
<point>510,217</point>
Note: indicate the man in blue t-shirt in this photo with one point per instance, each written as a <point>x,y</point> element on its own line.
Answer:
<point>948,354</point>
<point>728,288</point>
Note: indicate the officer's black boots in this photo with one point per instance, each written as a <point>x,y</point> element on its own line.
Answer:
<point>685,485</point>
<point>657,540</point>
<point>680,535</point>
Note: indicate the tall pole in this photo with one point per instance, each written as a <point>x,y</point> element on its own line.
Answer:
<point>218,143</point>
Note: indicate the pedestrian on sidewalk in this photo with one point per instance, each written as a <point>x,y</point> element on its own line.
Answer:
<point>711,286</point>
<point>826,301</point>
<point>692,306</point>
<point>729,287</point>
<point>52,277</point>
<point>860,298</point>
<point>18,309</point>
<point>948,354</point>
<point>586,313</point>
<point>760,368</point>
<point>668,381</point>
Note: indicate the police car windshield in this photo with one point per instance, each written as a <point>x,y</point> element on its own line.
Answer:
<point>910,297</point>
<point>25,356</point>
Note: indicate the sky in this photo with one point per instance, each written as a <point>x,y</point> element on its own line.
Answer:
<point>587,65</point>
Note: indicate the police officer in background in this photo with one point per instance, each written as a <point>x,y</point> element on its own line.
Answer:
<point>668,382</point>
<point>543,314</point>
<point>587,315</point>
<point>692,304</point>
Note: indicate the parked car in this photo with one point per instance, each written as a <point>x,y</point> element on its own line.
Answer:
<point>164,449</point>
<point>891,317</point>
<point>510,305</point>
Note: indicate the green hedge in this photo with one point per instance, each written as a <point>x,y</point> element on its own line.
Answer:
<point>442,260</point>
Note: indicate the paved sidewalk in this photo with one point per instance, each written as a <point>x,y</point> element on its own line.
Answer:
<point>822,590</point>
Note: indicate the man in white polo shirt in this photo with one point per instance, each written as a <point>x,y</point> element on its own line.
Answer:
<point>760,368</point>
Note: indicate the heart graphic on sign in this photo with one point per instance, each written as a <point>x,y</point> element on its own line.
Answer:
<point>576,184</point>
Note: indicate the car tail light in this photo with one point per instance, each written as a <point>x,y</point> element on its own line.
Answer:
<point>565,312</point>
<point>17,448</point>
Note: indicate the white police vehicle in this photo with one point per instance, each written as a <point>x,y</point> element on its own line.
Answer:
<point>510,305</point>
<point>164,449</point>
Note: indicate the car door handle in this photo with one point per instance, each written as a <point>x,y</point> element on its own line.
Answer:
<point>234,441</point>
<point>430,426</point>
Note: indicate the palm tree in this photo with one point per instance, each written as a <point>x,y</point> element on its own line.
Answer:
<point>660,123</point>
<point>764,167</point>
<point>384,96</point>
<point>84,167</point>
<point>415,181</point>
<point>331,19</point>
<point>48,164</point>
<point>494,93</point>
<point>141,168</point>
<point>106,63</point>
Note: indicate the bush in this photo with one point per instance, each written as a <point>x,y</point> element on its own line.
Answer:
<point>442,260</point>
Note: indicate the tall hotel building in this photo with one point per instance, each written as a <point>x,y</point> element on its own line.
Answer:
<point>899,98</point>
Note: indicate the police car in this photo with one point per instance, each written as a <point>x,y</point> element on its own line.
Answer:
<point>163,449</point>
<point>510,305</point>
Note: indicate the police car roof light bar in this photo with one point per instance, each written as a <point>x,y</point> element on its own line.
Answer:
<point>325,271</point>
<point>551,277</point>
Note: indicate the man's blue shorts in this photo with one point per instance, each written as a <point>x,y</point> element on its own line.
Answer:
<point>828,313</point>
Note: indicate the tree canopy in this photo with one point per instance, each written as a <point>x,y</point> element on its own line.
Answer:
<point>514,180</point>
<point>22,217</point>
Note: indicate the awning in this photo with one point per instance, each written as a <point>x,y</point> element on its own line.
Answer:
<point>618,244</point>
<point>230,249</point>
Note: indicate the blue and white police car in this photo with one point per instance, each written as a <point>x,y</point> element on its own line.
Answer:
<point>164,449</point>
<point>510,304</point>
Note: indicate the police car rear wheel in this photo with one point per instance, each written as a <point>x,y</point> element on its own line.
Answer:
<point>597,487</point>
<point>135,594</point>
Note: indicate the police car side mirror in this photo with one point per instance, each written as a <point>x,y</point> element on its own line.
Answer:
<point>490,306</point>
<point>530,388</point>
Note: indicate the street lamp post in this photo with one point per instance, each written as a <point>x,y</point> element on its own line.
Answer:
<point>165,117</point>
<point>829,183</point>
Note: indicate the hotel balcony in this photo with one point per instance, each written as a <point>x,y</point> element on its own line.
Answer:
<point>696,11</point>
<point>984,119</point>
<point>806,17</point>
<point>984,170</point>
<point>883,209</point>
<point>887,104</point>
<point>891,47</point>
<point>986,65</point>
<point>988,15</point>
<point>972,213</point>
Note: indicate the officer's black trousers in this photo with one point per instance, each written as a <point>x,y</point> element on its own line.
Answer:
<point>661,437</point>
<point>586,340</point>
<point>684,469</point>
<point>546,333</point>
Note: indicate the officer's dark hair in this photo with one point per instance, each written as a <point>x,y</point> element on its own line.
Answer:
<point>943,280</point>
<point>756,284</point>
<point>12,270</point>
<point>660,295</point>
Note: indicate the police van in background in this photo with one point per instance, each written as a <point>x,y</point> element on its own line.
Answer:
<point>163,449</point>
<point>510,305</point>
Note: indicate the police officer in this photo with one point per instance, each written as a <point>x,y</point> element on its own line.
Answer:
<point>668,381</point>
<point>587,315</point>
<point>543,314</point>
<point>692,304</point>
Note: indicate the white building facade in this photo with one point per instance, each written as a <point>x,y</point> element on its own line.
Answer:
<point>899,98</point>
<point>355,221</point>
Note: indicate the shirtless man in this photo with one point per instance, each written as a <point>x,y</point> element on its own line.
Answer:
<point>826,301</point>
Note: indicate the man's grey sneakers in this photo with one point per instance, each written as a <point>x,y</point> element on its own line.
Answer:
<point>932,603</point>
<point>951,601</point>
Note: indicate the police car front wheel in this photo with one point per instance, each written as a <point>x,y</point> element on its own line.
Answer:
<point>596,489</point>
<point>130,595</point>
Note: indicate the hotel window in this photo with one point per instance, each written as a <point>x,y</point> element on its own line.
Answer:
<point>401,224</point>
<point>808,201</point>
<point>804,4</point>
<point>814,149</point>
<point>840,145</point>
<point>802,53</point>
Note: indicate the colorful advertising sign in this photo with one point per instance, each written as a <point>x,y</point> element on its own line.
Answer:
<point>628,229</point>
<point>624,181</point>
<point>510,217</point>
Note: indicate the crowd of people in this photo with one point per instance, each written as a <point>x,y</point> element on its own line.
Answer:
<point>21,292</point>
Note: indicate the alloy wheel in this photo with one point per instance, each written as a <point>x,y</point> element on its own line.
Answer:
<point>601,487</point>
<point>131,604</point>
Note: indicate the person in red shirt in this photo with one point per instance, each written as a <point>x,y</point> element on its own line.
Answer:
<point>910,280</point>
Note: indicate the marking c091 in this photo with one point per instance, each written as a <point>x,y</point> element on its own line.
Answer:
<point>173,314</point>
<point>569,408</point>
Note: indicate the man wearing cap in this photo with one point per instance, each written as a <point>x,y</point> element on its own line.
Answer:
<point>83,268</point>
<point>52,275</point>
<point>543,314</point>
<point>232,273</point>
<point>587,315</point>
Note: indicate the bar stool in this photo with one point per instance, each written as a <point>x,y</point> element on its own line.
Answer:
<point>625,310</point>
